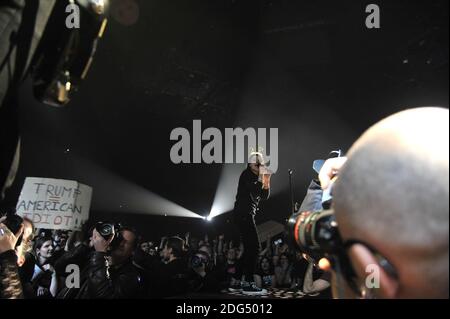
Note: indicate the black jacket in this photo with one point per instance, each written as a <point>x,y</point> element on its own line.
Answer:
<point>250,193</point>
<point>101,282</point>
<point>77,256</point>
<point>26,273</point>
<point>10,286</point>
<point>209,283</point>
<point>174,278</point>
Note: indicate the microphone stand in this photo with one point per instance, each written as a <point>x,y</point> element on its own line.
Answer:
<point>291,188</point>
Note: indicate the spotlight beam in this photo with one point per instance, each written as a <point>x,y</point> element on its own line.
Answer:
<point>111,193</point>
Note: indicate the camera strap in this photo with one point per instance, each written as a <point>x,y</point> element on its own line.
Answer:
<point>108,266</point>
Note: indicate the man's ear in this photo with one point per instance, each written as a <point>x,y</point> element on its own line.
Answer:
<point>371,274</point>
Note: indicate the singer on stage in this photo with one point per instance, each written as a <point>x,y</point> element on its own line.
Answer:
<point>254,186</point>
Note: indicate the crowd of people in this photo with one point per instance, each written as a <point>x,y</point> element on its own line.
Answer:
<point>132,268</point>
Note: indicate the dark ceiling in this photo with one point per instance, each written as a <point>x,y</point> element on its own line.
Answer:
<point>310,68</point>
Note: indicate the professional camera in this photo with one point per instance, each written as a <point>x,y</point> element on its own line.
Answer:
<point>110,230</point>
<point>199,259</point>
<point>316,232</point>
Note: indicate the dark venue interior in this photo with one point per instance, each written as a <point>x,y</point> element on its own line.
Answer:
<point>309,68</point>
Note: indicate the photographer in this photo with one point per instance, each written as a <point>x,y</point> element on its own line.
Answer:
<point>391,203</point>
<point>202,275</point>
<point>110,273</point>
<point>304,268</point>
<point>10,286</point>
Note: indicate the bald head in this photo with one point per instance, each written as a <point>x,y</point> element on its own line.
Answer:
<point>393,193</point>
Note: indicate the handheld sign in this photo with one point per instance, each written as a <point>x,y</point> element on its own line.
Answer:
<point>55,203</point>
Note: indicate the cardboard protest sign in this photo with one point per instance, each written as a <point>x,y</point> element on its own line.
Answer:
<point>54,203</point>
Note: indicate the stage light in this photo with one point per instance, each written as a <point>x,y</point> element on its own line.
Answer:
<point>226,190</point>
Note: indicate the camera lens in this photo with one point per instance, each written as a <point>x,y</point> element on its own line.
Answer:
<point>106,230</point>
<point>314,232</point>
<point>196,261</point>
<point>199,259</point>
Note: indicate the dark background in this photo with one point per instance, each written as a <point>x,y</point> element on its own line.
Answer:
<point>310,68</point>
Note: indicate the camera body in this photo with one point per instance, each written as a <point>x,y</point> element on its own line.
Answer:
<point>199,259</point>
<point>315,233</point>
<point>110,230</point>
